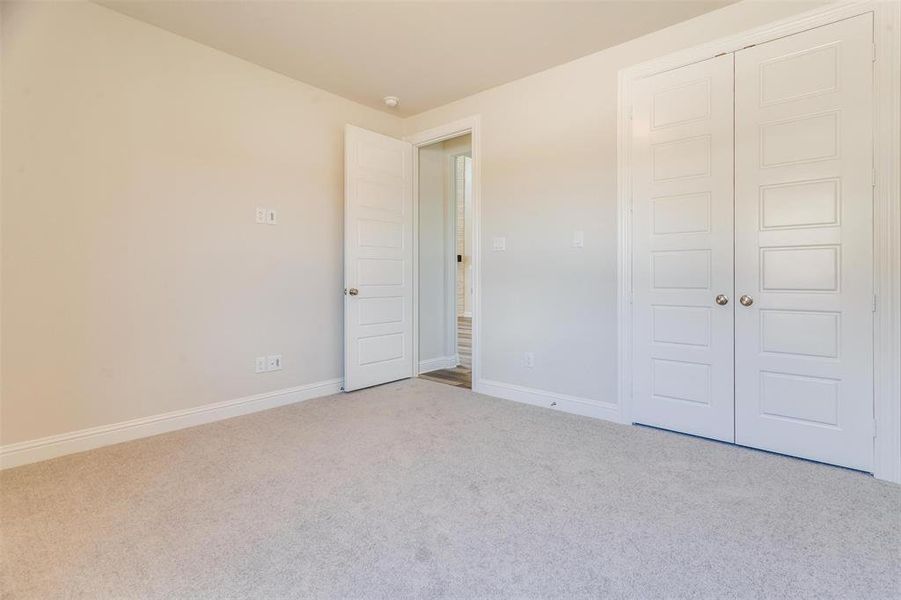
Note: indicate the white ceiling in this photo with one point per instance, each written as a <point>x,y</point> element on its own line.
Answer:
<point>427,53</point>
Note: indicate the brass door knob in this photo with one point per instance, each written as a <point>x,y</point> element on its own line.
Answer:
<point>722,299</point>
<point>746,300</point>
<point>353,291</point>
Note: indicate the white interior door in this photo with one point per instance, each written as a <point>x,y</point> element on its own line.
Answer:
<point>804,223</point>
<point>378,259</point>
<point>682,231</point>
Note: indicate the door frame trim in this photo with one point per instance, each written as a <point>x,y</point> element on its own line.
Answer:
<point>469,125</point>
<point>453,328</point>
<point>886,209</point>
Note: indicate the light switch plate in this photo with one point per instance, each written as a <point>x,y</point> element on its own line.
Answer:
<point>271,216</point>
<point>273,362</point>
<point>261,214</point>
<point>261,364</point>
<point>499,244</point>
<point>579,239</point>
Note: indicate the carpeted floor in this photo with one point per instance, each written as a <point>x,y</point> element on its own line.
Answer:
<point>422,490</point>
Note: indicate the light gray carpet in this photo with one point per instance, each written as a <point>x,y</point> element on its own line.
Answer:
<point>423,490</point>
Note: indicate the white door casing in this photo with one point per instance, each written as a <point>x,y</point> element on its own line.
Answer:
<point>378,259</point>
<point>804,244</point>
<point>682,182</point>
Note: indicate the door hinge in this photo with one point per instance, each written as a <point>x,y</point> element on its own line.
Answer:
<point>874,52</point>
<point>874,302</point>
<point>874,427</point>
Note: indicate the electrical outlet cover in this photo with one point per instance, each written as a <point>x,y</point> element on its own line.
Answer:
<point>261,214</point>
<point>261,364</point>
<point>274,362</point>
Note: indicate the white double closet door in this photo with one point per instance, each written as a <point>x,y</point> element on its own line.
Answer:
<point>752,246</point>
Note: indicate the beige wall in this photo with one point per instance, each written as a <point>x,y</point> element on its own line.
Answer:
<point>548,169</point>
<point>135,281</point>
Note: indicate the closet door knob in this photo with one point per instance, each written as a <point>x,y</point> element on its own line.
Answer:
<point>746,300</point>
<point>353,291</point>
<point>722,299</point>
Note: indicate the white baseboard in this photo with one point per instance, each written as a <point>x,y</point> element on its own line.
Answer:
<point>442,362</point>
<point>23,453</point>
<point>608,411</point>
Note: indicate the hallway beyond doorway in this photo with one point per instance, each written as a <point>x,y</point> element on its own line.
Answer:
<point>461,375</point>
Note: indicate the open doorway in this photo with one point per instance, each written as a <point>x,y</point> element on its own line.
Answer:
<point>392,287</point>
<point>445,260</point>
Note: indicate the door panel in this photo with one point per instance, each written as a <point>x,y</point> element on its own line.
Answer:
<point>803,226</point>
<point>378,259</point>
<point>682,214</point>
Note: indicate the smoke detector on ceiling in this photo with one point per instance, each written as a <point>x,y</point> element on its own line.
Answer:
<point>391,101</point>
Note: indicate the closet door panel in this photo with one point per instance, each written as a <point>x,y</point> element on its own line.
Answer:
<point>682,214</point>
<point>803,225</point>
